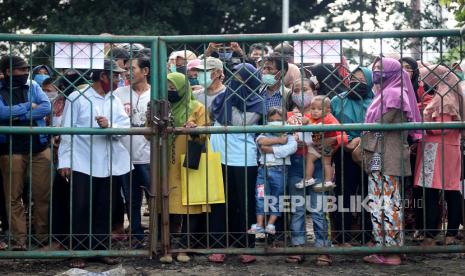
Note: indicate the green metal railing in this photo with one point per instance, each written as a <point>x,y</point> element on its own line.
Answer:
<point>161,131</point>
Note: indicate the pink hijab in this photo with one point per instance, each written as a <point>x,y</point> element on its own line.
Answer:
<point>448,98</point>
<point>396,93</point>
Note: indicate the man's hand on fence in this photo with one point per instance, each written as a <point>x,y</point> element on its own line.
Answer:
<point>102,121</point>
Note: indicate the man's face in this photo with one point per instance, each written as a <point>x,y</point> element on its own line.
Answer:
<point>18,71</point>
<point>138,75</point>
<point>269,68</point>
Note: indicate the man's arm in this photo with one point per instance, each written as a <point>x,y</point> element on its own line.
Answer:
<point>43,106</point>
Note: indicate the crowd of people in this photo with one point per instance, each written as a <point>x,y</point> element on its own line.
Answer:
<point>97,179</point>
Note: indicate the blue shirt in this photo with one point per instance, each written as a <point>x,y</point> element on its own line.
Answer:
<point>273,101</point>
<point>24,111</point>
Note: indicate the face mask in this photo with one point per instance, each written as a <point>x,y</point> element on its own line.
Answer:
<point>173,68</point>
<point>106,87</point>
<point>269,79</point>
<point>17,80</point>
<point>193,81</point>
<point>276,124</point>
<point>225,55</point>
<point>181,69</point>
<point>173,96</point>
<point>377,76</point>
<point>52,95</point>
<point>359,90</point>
<point>40,78</point>
<point>205,79</point>
<point>297,99</point>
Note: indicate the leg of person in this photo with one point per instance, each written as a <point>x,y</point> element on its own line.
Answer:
<point>348,178</point>
<point>393,212</point>
<point>297,221</point>
<point>3,213</point>
<point>118,215</point>
<point>261,188</point>
<point>320,219</point>
<point>431,199</point>
<point>13,197</point>
<point>276,190</point>
<point>328,174</point>
<point>133,197</point>
<point>102,209</point>
<point>80,215</point>
<point>41,187</point>
<point>454,214</point>
<point>375,183</point>
<point>308,179</point>
<point>60,211</point>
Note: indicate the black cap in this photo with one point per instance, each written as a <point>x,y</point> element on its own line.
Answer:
<point>111,65</point>
<point>16,62</point>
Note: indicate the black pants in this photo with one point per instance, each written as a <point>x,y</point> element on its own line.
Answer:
<point>454,211</point>
<point>91,226</point>
<point>229,227</point>
<point>349,177</point>
<point>60,210</point>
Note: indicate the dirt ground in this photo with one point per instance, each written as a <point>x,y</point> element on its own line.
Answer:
<point>442,264</point>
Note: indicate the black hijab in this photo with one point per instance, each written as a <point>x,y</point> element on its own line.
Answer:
<point>329,81</point>
<point>416,73</point>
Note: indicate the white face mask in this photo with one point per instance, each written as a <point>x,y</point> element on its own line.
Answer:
<point>276,124</point>
<point>52,95</point>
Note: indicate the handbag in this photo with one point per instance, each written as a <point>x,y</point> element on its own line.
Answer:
<point>203,186</point>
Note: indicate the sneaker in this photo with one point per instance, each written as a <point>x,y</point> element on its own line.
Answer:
<point>330,185</point>
<point>305,183</point>
<point>270,229</point>
<point>255,229</point>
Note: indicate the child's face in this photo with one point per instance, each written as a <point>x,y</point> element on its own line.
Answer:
<point>316,109</point>
<point>275,118</point>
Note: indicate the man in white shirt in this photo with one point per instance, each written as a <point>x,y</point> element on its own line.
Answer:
<point>210,75</point>
<point>135,99</point>
<point>94,164</point>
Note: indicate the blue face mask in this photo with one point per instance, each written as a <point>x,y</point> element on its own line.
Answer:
<point>225,55</point>
<point>204,79</point>
<point>40,78</point>
<point>193,81</point>
<point>269,79</point>
<point>173,68</point>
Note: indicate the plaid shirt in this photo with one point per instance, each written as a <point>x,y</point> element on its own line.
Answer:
<point>275,100</point>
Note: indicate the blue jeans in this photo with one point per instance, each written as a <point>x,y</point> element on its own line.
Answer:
<point>270,182</point>
<point>133,196</point>
<point>320,223</point>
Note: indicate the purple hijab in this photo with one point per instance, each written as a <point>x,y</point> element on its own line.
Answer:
<point>396,93</point>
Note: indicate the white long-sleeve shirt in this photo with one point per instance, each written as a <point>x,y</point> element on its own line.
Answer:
<point>109,156</point>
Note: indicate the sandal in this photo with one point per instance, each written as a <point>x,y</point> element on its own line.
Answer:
<point>18,247</point>
<point>255,229</point>
<point>182,258</point>
<point>451,241</point>
<point>3,246</point>
<point>167,259</point>
<point>77,263</point>
<point>247,259</point>
<point>380,259</point>
<point>295,259</point>
<point>323,260</point>
<point>107,260</point>
<point>217,258</point>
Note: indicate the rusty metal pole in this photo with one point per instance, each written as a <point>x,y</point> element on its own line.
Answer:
<point>164,115</point>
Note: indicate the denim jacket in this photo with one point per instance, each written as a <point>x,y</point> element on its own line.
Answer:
<point>24,111</point>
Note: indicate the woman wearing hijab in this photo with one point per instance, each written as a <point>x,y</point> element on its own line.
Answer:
<point>329,81</point>
<point>237,106</point>
<point>394,102</point>
<point>430,175</point>
<point>41,73</point>
<point>186,113</point>
<point>350,108</point>
<point>411,67</point>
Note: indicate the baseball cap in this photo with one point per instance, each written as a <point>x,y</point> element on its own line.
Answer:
<point>189,55</point>
<point>111,65</point>
<point>16,62</point>
<point>210,63</point>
